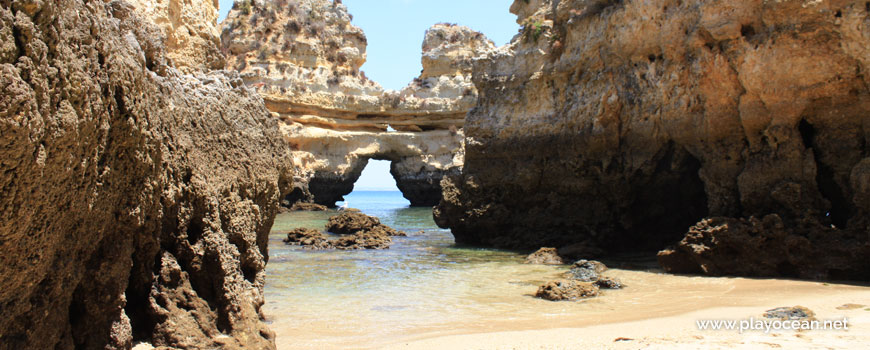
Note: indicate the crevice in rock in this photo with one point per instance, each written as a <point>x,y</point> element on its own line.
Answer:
<point>840,206</point>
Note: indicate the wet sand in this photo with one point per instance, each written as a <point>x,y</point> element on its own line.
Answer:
<point>427,293</point>
<point>655,311</point>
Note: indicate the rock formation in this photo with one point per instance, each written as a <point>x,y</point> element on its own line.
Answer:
<point>545,256</point>
<point>137,200</point>
<point>620,124</point>
<point>350,223</point>
<point>304,58</point>
<point>584,280</point>
<point>308,238</point>
<point>189,30</point>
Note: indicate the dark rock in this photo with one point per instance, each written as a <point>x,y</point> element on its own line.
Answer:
<point>608,283</point>
<point>566,290</point>
<point>545,256</point>
<point>309,238</point>
<point>586,270</point>
<point>766,247</point>
<point>579,251</point>
<point>789,313</point>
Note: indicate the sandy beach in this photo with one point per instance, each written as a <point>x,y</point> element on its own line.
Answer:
<point>681,332</point>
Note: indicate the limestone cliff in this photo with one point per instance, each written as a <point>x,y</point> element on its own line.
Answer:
<point>620,124</point>
<point>304,58</point>
<point>136,200</point>
<point>189,30</point>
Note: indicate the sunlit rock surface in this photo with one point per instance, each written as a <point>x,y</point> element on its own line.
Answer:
<point>304,58</point>
<point>620,124</point>
<point>137,200</point>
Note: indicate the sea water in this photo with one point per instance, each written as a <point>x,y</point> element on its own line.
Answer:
<point>427,286</point>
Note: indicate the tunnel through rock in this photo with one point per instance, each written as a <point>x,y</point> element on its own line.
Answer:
<point>419,185</point>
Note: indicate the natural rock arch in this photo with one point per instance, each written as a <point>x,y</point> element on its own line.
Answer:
<point>419,184</point>
<point>334,118</point>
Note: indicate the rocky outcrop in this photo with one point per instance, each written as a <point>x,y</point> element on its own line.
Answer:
<point>304,58</point>
<point>584,280</point>
<point>566,290</point>
<point>137,200</point>
<point>545,256</point>
<point>349,223</point>
<point>189,30</point>
<point>619,124</point>
<point>308,238</point>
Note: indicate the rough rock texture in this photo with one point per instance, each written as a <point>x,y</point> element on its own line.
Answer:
<point>623,123</point>
<point>608,283</point>
<point>352,222</point>
<point>545,256</point>
<point>189,28</point>
<point>764,247</point>
<point>790,313</point>
<point>308,238</point>
<point>370,239</point>
<point>586,270</point>
<point>304,58</point>
<point>303,206</point>
<point>563,290</point>
<point>136,200</point>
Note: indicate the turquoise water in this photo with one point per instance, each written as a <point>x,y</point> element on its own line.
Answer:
<point>426,286</point>
<point>423,283</point>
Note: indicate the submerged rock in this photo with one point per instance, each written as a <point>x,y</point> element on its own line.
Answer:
<point>545,256</point>
<point>308,238</point>
<point>566,290</point>
<point>364,240</point>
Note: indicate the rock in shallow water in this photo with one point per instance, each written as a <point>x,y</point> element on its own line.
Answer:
<point>352,222</point>
<point>608,283</point>
<point>545,256</point>
<point>308,238</point>
<point>566,289</point>
<point>372,239</point>
<point>587,270</point>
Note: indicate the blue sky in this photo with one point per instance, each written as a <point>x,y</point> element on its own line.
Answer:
<point>395,30</point>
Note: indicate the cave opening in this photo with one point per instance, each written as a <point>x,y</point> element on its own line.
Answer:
<point>666,205</point>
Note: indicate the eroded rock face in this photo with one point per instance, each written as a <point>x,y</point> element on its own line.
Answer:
<point>304,58</point>
<point>189,29</point>
<point>137,200</point>
<point>621,124</point>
